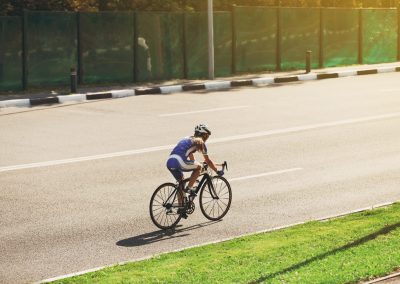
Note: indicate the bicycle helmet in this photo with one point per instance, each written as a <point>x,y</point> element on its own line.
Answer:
<point>202,129</point>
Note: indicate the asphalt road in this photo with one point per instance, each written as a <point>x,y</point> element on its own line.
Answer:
<point>76,180</point>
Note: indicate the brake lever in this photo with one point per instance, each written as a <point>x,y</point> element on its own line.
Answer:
<point>224,165</point>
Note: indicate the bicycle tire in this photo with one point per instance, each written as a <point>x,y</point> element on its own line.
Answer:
<point>223,189</point>
<point>159,196</point>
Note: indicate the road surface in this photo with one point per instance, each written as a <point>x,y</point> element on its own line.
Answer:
<point>76,179</point>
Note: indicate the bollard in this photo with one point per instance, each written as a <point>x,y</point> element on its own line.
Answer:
<point>308,61</point>
<point>74,81</point>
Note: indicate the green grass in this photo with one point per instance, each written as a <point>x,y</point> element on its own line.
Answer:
<point>344,250</point>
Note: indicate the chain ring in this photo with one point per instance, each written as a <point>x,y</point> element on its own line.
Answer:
<point>191,208</point>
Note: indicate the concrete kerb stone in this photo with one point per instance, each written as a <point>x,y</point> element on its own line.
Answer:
<point>122,93</point>
<point>307,77</point>
<point>211,85</point>
<point>99,96</point>
<point>171,89</point>
<point>218,85</point>
<point>16,103</point>
<point>263,81</point>
<point>386,69</point>
<point>148,91</point>
<point>72,98</point>
<point>347,73</point>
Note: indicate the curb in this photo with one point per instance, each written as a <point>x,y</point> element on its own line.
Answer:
<point>211,85</point>
<point>391,276</point>
<point>323,219</point>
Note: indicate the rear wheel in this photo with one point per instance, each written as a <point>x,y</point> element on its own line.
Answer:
<point>215,202</point>
<point>164,205</point>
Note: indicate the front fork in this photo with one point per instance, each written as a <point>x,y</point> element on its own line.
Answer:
<point>213,192</point>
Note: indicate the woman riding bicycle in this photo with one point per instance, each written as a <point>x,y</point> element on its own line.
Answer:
<point>169,203</point>
<point>182,159</point>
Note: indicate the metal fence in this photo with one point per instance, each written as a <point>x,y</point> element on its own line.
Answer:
<point>39,48</point>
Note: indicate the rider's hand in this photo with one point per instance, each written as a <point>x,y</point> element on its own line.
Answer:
<point>220,173</point>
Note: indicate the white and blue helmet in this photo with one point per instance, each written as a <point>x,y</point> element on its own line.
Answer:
<point>202,129</point>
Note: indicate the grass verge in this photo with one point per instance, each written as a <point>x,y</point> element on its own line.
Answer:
<point>349,249</point>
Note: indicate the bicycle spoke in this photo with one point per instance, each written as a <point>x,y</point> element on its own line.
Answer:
<point>156,209</point>
<point>213,209</point>
<point>158,202</point>
<point>220,207</point>
<point>160,198</point>
<point>226,205</point>
<point>221,190</point>
<point>204,203</point>
<point>156,216</point>
<point>205,209</point>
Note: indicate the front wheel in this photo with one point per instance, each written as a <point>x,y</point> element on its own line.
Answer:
<point>215,200</point>
<point>163,206</point>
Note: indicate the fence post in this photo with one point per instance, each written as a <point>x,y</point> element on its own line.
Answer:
<point>184,38</point>
<point>24,52</point>
<point>233,19</point>
<point>321,38</point>
<point>2,49</point>
<point>360,36</point>
<point>79,36</point>
<point>135,47</point>
<point>308,61</point>
<point>398,31</point>
<point>278,39</point>
<point>73,81</point>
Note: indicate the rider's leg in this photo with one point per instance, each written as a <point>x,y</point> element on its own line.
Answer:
<point>194,176</point>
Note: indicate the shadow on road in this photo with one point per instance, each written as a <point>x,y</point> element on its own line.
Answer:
<point>384,231</point>
<point>162,235</point>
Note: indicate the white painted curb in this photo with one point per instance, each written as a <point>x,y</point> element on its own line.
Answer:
<point>171,89</point>
<point>217,241</point>
<point>72,98</point>
<point>122,93</point>
<point>307,77</point>
<point>263,81</point>
<point>15,103</point>
<point>386,69</point>
<point>217,85</point>
<point>347,73</point>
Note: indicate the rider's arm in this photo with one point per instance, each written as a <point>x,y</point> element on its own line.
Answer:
<point>191,157</point>
<point>201,147</point>
<point>210,163</point>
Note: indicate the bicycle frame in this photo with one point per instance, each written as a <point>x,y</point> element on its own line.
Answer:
<point>206,178</point>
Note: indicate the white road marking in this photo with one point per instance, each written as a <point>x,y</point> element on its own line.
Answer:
<point>88,158</point>
<point>390,90</point>
<point>265,174</point>
<point>213,141</point>
<point>305,127</point>
<point>201,111</point>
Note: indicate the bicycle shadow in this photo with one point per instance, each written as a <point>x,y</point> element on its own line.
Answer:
<point>162,235</point>
<point>384,231</point>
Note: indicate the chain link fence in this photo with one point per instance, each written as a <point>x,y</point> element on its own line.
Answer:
<point>39,48</point>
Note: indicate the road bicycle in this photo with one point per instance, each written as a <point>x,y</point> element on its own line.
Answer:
<point>169,201</point>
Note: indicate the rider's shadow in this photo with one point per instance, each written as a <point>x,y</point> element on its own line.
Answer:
<point>161,235</point>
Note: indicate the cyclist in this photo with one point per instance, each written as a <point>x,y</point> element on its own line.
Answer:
<point>182,159</point>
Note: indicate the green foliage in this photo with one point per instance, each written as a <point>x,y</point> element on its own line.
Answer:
<point>15,7</point>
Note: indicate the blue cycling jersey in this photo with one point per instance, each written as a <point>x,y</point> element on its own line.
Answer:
<point>186,147</point>
<point>178,160</point>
